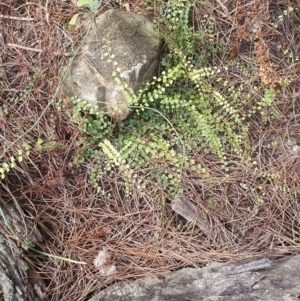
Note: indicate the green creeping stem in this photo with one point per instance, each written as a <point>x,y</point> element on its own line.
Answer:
<point>33,249</point>
<point>171,125</point>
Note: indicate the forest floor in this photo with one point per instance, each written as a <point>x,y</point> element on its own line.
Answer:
<point>259,204</point>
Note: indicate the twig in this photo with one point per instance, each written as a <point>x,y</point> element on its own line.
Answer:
<point>16,18</point>
<point>23,47</point>
<point>224,9</point>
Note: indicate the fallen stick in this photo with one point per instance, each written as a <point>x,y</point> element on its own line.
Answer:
<point>23,47</point>
<point>16,18</point>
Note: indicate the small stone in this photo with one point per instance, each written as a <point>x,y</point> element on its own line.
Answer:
<point>134,47</point>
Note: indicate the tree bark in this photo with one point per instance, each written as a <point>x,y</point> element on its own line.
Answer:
<point>13,272</point>
<point>16,282</point>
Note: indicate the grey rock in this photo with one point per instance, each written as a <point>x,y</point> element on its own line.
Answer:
<point>257,279</point>
<point>135,46</point>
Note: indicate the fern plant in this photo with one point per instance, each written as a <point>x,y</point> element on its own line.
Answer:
<point>206,110</point>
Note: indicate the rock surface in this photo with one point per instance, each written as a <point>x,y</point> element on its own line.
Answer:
<point>126,38</point>
<point>260,279</point>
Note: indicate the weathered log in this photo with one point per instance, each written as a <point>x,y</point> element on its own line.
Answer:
<point>260,279</point>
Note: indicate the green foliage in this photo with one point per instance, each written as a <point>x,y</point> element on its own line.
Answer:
<point>90,119</point>
<point>42,145</point>
<point>199,45</point>
<point>285,14</point>
<point>6,166</point>
<point>191,105</point>
<point>93,7</point>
